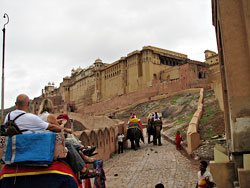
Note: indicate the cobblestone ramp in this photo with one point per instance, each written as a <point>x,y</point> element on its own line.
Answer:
<point>150,165</point>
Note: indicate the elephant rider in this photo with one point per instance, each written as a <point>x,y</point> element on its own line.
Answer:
<point>156,117</point>
<point>150,129</point>
<point>135,120</point>
<point>157,124</point>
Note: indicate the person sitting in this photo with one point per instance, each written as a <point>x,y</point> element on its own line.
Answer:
<point>33,124</point>
<point>46,108</point>
<point>156,117</point>
<point>134,121</point>
<point>205,179</point>
<point>64,120</point>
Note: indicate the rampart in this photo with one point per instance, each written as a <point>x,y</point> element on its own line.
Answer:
<point>99,131</point>
<point>193,137</point>
<point>157,88</point>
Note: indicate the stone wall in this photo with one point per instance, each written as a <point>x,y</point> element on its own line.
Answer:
<point>99,131</point>
<point>143,95</point>
<point>193,137</point>
<point>105,139</point>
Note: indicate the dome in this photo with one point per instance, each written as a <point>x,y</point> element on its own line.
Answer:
<point>98,60</point>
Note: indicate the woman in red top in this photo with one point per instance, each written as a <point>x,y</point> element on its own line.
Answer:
<point>178,140</point>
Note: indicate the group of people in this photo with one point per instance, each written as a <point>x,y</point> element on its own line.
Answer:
<point>77,155</point>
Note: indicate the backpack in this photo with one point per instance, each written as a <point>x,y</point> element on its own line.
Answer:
<point>10,128</point>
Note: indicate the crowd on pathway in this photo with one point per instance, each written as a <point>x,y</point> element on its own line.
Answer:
<point>204,177</point>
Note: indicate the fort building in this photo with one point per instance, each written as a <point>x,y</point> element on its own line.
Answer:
<point>212,59</point>
<point>138,70</point>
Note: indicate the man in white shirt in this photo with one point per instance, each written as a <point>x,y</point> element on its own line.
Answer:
<point>157,117</point>
<point>204,176</point>
<point>120,143</point>
<point>29,122</point>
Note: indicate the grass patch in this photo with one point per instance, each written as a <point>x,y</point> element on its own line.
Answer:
<point>188,101</point>
<point>207,115</point>
<point>176,97</point>
<point>184,120</point>
<point>210,132</point>
<point>190,115</point>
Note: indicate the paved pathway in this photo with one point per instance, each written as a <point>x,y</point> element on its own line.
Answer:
<point>150,165</point>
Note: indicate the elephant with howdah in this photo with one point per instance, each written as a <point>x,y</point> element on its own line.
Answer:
<point>157,125</point>
<point>154,128</point>
<point>134,134</point>
<point>150,129</point>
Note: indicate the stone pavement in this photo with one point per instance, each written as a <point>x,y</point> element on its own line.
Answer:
<point>150,165</point>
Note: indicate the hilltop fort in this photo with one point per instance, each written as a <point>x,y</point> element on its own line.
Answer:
<point>140,75</point>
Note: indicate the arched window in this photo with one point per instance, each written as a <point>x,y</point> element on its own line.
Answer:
<point>200,75</point>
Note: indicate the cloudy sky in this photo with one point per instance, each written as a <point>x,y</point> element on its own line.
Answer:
<point>46,39</point>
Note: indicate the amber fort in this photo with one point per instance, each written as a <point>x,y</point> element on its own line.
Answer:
<point>141,74</point>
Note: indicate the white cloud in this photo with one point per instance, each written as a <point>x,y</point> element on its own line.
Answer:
<point>46,39</point>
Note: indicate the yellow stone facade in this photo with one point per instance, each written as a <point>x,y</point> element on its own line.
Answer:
<point>212,59</point>
<point>101,81</point>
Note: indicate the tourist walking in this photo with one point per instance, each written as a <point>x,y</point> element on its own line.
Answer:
<point>120,143</point>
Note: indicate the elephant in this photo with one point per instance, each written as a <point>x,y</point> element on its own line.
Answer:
<point>134,134</point>
<point>58,175</point>
<point>154,127</point>
<point>157,126</point>
<point>150,129</point>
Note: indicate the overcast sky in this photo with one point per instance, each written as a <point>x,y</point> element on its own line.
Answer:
<point>46,39</point>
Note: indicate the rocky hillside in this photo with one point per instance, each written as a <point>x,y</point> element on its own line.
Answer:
<point>177,112</point>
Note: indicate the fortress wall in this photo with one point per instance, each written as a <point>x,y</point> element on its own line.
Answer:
<point>92,122</point>
<point>128,99</point>
<point>193,137</point>
<point>112,140</point>
<point>105,139</point>
<point>107,146</point>
<point>143,95</point>
<point>101,144</point>
<point>84,137</point>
